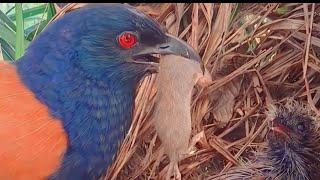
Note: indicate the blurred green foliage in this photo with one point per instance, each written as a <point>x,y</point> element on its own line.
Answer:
<point>20,23</point>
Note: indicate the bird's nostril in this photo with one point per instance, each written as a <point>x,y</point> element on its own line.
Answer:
<point>164,47</point>
<point>188,54</point>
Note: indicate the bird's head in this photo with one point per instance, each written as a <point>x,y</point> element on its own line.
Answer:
<point>291,125</point>
<point>110,40</point>
<point>293,143</point>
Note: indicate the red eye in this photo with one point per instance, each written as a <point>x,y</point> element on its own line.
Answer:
<point>127,40</point>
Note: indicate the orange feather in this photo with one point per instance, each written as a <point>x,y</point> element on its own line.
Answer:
<point>32,142</point>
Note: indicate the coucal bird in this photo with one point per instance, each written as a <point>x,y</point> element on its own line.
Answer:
<point>66,105</point>
<point>292,152</point>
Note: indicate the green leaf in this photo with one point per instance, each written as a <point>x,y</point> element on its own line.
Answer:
<point>8,34</point>
<point>1,55</point>
<point>9,10</point>
<point>51,11</point>
<point>30,12</point>
<point>234,13</point>
<point>19,48</point>
<point>7,21</point>
<point>33,29</point>
<point>282,10</point>
<point>7,50</point>
<point>38,29</point>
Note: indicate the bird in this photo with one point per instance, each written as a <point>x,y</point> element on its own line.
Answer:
<point>292,151</point>
<point>67,103</point>
<point>176,79</point>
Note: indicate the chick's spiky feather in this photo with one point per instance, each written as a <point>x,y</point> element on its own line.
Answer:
<point>298,156</point>
<point>293,154</point>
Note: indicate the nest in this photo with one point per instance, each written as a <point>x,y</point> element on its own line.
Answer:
<point>258,56</point>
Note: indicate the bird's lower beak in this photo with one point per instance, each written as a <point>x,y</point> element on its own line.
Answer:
<point>172,45</point>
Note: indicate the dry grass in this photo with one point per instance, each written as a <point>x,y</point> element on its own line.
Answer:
<point>258,54</point>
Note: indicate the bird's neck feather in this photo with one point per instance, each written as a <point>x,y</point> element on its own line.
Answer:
<point>95,114</point>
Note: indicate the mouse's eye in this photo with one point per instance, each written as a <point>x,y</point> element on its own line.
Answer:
<point>127,40</point>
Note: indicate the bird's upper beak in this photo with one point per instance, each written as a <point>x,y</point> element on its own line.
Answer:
<point>172,45</point>
<point>178,47</point>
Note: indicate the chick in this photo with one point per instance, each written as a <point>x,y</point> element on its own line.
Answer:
<point>172,114</point>
<point>293,149</point>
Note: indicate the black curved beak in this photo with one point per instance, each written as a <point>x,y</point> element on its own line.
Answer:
<point>178,47</point>
<point>172,45</point>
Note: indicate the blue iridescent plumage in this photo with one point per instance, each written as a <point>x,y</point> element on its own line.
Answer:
<point>88,88</point>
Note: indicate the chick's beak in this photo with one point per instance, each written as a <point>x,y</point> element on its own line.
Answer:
<point>280,130</point>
